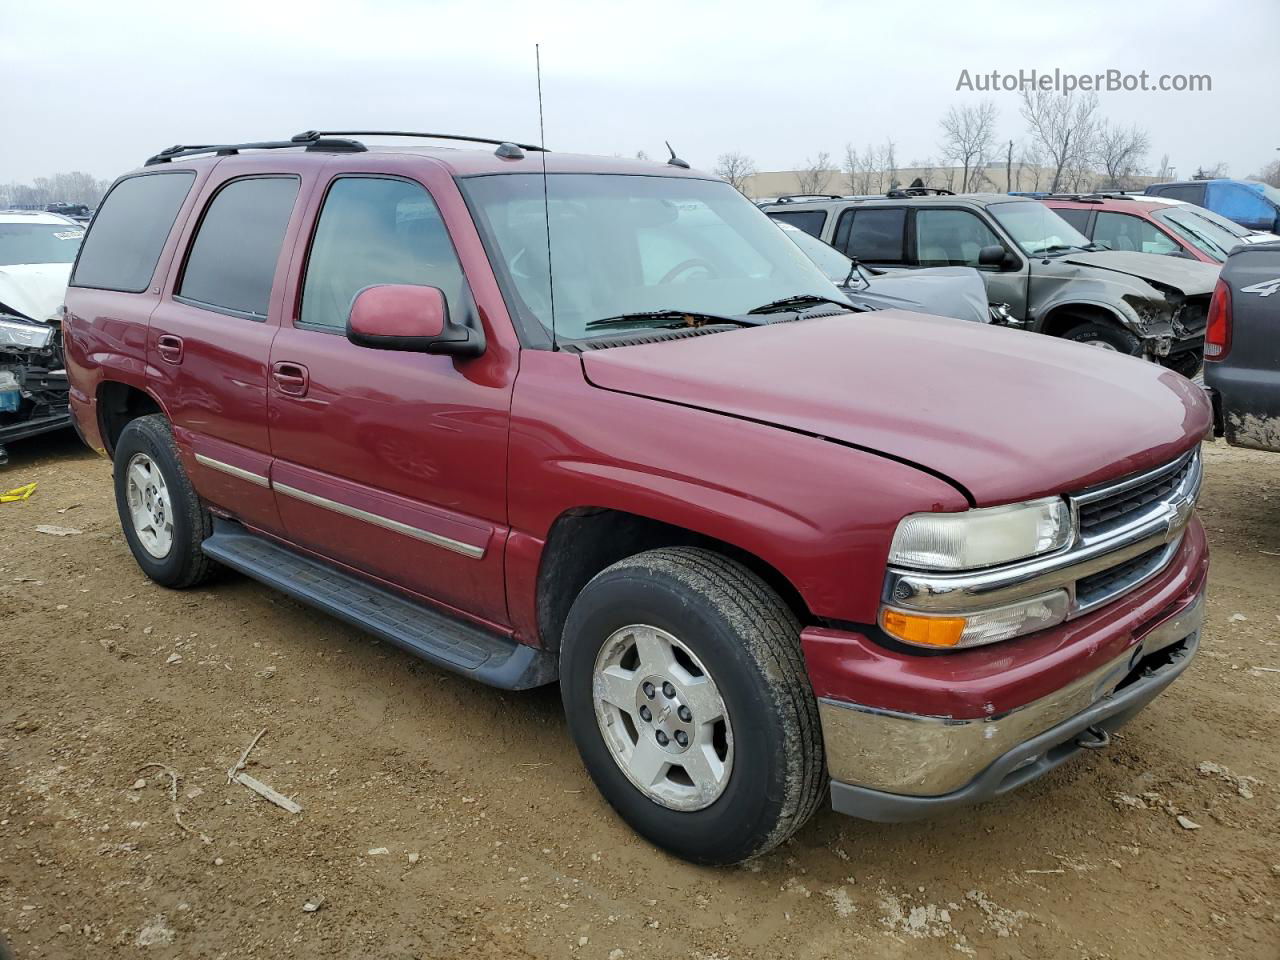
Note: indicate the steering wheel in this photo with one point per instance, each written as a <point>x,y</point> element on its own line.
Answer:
<point>687,266</point>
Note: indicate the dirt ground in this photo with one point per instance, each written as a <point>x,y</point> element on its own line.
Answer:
<point>442,819</point>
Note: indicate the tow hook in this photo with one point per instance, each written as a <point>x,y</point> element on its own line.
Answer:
<point>1093,738</point>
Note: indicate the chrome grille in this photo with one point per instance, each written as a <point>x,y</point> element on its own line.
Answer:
<point>1115,506</point>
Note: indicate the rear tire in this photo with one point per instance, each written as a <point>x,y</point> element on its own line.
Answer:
<point>752,778</point>
<point>1105,336</point>
<point>163,519</point>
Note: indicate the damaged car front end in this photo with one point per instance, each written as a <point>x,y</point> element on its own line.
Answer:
<point>36,252</point>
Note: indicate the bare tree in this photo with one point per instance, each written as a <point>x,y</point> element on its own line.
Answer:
<point>1065,127</point>
<point>641,155</point>
<point>1219,169</point>
<point>1166,170</point>
<point>888,163</point>
<point>1270,174</point>
<point>852,167</point>
<point>1121,153</point>
<point>815,175</point>
<point>926,171</point>
<point>968,137</point>
<point>736,168</point>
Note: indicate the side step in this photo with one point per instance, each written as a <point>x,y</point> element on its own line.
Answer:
<point>434,636</point>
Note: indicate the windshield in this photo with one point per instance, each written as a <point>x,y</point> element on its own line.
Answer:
<point>833,264</point>
<point>1037,229</point>
<point>22,243</point>
<point>1202,230</point>
<point>624,244</point>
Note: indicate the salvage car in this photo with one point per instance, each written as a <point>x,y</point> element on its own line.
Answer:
<point>1054,280</point>
<point>36,252</point>
<point>523,415</point>
<point>942,291</point>
<point>1160,225</point>
<point>1242,350</point>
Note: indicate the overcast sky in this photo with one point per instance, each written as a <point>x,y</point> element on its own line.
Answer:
<point>98,86</point>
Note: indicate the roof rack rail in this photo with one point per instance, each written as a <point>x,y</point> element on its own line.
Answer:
<point>898,193</point>
<point>227,149</point>
<point>313,135</point>
<point>797,197</point>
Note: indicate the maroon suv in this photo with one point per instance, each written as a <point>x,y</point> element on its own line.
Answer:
<point>541,417</point>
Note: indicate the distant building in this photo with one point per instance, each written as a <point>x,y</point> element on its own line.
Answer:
<point>993,179</point>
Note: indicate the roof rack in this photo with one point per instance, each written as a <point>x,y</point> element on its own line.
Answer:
<point>332,141</point>
<point>227,149</point>
<point>313,135</point>
<point>797,197</point>
<point>898,193</point>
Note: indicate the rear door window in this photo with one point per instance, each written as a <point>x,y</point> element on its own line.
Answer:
<point>810,221</point>
<point>232,262</point>
<point>873,234</point>
<point>1077,218</point>
<point>122,247</point>
<point>951,238</point>
<point>375,230</point>
<point>1120,231</point>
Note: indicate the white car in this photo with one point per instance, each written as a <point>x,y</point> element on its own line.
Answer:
<point>36,253</point>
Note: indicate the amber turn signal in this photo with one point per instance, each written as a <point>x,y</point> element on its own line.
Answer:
<point>923,631</point>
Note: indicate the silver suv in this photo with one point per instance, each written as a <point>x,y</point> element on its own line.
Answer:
<point>1053,278</point>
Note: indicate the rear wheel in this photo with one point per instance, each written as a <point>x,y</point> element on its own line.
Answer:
<point>686,693</point>
<point>162,517</point>
<point>1105,336</point>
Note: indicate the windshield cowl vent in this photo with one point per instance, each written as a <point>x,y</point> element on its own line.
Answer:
<point>651,336</point>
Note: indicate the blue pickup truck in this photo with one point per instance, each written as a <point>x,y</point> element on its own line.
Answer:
<point>1247,202</point>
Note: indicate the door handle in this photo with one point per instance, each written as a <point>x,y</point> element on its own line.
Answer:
<point>290,378</point>
<point>170,348</point>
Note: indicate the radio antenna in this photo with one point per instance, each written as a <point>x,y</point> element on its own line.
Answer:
<point>546,203</point>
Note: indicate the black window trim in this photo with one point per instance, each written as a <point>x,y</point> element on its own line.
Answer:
<point>177,216</point>
<point>787,212</point>
<point>1090,218</point>
<point>195,235</point>
<point>294,311</point>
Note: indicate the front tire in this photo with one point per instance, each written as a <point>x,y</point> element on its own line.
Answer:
<point>1105,336</point>
<point>163,519</point>
<point>686,693</point>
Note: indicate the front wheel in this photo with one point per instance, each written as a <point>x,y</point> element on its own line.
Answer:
<point>1105,336</point>
<point>686,693</point>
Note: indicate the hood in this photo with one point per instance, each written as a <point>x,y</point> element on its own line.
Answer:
<point>1188,277</point>
<point>957,292</point>
<point>33,290</point>
<point>1005,414</point>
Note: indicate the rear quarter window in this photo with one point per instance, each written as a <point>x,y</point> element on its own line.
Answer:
<point>123,244</point>
<point>810,221</point>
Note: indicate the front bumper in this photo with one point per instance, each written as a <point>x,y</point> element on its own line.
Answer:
<point>922,766</point>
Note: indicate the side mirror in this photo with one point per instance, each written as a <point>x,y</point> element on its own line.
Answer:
<point>993,256</point>
<point>403,316</point>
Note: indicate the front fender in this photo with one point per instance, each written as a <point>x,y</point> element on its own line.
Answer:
<point>820,513</point>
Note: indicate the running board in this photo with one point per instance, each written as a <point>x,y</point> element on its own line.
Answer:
<point>422,630</point>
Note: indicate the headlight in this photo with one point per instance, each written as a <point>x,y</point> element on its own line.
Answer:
<point>981,538</point>
<point>15,333</point>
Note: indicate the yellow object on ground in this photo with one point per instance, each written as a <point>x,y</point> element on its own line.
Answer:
<point>17,493</point>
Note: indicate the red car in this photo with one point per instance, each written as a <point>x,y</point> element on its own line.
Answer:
<point>1154,225</point>
<point>541,417</point>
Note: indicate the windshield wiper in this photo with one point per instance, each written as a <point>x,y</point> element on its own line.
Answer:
<point>672,319</point>
<point>800,300</point>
